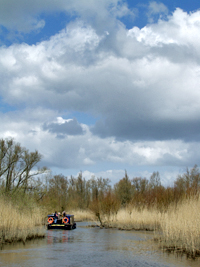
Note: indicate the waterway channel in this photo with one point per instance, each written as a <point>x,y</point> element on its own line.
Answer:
<point>91,247</point>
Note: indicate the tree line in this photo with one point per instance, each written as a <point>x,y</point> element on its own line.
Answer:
<point>19,176</point>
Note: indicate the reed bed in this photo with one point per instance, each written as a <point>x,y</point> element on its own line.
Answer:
<point>83,215</point>
<point>181,228</point>
<point>17,225</point>
<point>128,219</point>
<point>177,229</point>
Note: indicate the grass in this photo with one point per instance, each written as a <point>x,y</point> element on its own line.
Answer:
<point>19,225</point>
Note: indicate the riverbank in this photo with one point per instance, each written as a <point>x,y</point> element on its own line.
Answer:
<point>180,228</point>
<point>177,229</point>
<point>132,219</point>
<point>83,215</point>
<point>19,225</point>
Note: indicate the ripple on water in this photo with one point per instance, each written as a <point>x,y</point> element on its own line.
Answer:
<point>91,247</point>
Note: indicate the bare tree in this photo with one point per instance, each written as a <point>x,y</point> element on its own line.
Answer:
<point>123,190</point>
<point>155,180</point>
<point>17,165</point>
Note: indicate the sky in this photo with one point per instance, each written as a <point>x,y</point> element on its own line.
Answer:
<point>103,86</point>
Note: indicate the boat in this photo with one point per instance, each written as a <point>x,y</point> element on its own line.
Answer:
<point>65,223</point>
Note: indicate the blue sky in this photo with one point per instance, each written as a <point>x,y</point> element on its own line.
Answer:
<point>103,86</point>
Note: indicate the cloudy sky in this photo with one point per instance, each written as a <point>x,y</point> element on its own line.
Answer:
<point>103,86</point>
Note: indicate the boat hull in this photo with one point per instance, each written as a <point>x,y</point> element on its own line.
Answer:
<point>66,223</point>
<point>61,226</point>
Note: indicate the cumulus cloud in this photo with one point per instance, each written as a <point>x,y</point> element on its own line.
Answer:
<point>86,149</point>
<point>141,84</point>
<point>64,127</point>
<point>141,89</point>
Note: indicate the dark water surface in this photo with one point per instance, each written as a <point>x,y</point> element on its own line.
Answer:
<point>91,247</point>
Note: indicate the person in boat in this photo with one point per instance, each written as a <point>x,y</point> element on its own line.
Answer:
<point>64,214</point>
<point>55,217</point>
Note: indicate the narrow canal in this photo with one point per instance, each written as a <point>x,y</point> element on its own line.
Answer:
<point>91,247</point>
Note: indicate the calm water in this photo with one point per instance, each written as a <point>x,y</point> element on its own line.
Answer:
<point>91,247</point>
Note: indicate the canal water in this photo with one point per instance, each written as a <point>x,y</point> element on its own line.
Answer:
<point>91,247</point>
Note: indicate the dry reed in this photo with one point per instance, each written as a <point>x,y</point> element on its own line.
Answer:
<point>128,218</point>
<point>181,228</point>
<point>82,215</point>
<point>16,225</point>
<point>177,229</point>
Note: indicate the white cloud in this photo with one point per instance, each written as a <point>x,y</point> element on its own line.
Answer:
<point>155,8</point>
<point>142,84</point>
<point>180,28</point>
<point>87,149</point>
<point>167,177</point>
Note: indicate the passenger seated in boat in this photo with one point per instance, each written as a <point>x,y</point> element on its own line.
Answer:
<point>55,217</point>
<point>64,214</point>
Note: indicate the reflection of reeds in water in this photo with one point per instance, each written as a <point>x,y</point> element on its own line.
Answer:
<point>16,225</point>
<point>181,228</point>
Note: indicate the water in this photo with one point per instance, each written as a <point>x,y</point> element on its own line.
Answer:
<point>91,247</point>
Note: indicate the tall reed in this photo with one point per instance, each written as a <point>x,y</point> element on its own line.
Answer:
<point>177,229</point>
<point>131,218</point>
<point>82,215</point>
<point>17,224</point>
<point>181,227</point>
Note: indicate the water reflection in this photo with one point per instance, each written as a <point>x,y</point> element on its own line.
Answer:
<point>90,247</point>
<point>60,237</point>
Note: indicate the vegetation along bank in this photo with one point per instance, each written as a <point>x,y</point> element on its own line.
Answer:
<point>30,193</point>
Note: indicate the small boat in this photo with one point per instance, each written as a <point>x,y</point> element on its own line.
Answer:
<point>65,223</point>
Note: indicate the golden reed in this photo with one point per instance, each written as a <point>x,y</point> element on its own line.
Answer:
<point>19,226</point>
<point>130,218</point>
<point>82,215</point>
<point>181,228</point>
<point>177,229</point>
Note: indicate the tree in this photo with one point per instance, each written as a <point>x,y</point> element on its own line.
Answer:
<point>81,191</point>
<point>140,184</point>
<point>57,193</point>
<point>155,180</point>
<point>189,182</point>
<point>139,188</point>
<point>123,190</point>
<point>17,166</point>
<point>103,208</point>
